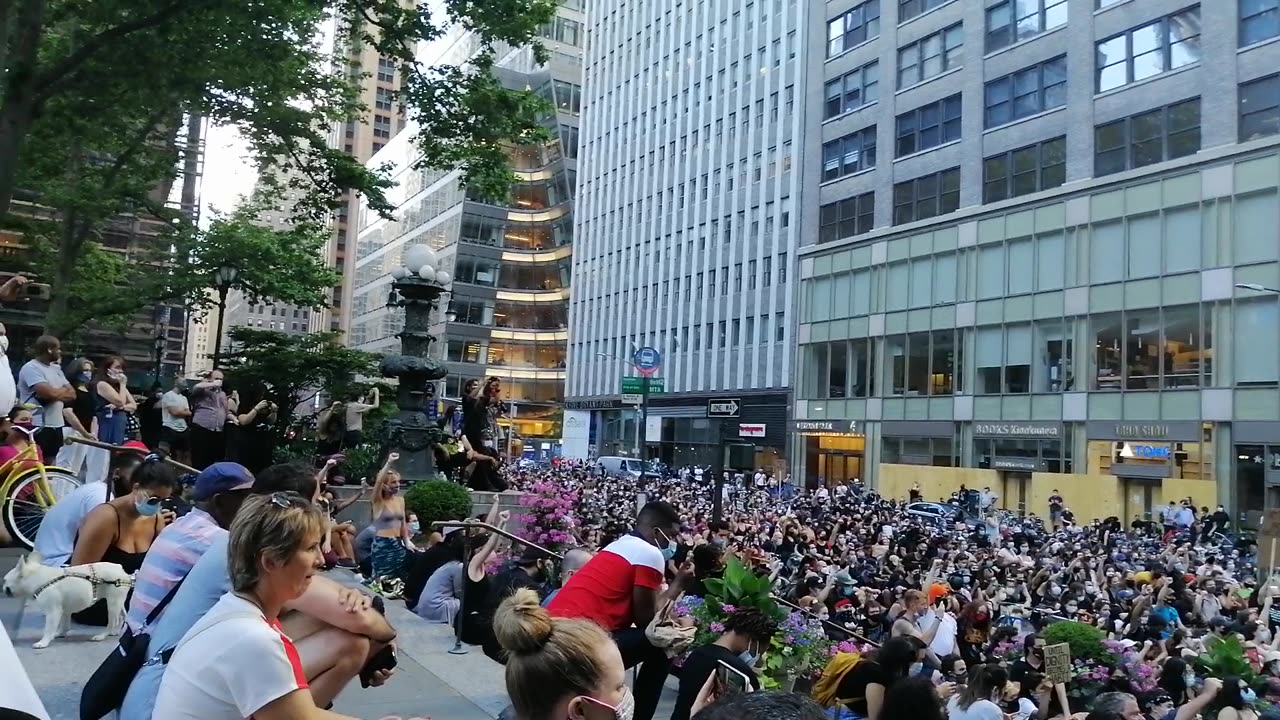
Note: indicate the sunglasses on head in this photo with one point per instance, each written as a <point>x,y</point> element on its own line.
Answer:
<point>285,500</point>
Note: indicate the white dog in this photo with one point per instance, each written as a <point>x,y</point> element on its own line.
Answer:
<point>58,592</point>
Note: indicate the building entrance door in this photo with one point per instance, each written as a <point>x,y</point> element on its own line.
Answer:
<point>1013,492</point>
<point>1140,497</point>
<point>839,467</point>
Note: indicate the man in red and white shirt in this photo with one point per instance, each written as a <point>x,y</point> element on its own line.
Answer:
<point>621,589</point>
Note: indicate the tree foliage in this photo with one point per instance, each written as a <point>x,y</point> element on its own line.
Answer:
<point>290,370</point>
<point>94,97</point>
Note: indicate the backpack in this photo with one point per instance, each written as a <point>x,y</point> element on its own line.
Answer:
<point>825,689</point>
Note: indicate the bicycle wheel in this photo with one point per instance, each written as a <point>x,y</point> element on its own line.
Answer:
<point>26,505</point>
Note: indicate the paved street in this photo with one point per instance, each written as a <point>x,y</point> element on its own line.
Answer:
<point>430,683</point>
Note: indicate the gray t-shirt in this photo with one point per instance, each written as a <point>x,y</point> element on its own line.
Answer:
<point>32,374</point>
<point>441,595</point>
<point>208,581</point>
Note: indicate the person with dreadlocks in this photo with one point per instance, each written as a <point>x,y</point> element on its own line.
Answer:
<point>746,636</point>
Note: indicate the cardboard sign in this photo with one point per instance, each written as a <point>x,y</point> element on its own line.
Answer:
<point>1269,541</point>
<point>1057,663</point>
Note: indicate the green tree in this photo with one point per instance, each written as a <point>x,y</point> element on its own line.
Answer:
<point>290,370</point>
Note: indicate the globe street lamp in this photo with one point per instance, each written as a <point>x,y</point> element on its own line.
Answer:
<point>416,286</point>
<point>223,278</point>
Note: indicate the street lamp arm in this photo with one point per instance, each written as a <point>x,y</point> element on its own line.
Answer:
<point>1257,288</point>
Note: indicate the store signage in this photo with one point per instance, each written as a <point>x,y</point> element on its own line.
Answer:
<point>1017,430</point>
<point>606,404</point>
<point>1182,431</point>
<point>751,430</point>
<point>825,426</point>
<point>1017,463</point>
<point>723,407</point>
<point>1146,452</point>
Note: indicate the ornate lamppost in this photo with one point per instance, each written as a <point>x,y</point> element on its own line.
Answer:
<point>417,288</point>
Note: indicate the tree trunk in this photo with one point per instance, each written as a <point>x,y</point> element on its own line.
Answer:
<point>15,123</point>
<point>70,241</point>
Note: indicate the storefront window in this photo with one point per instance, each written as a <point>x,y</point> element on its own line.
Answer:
<point>938,452</point>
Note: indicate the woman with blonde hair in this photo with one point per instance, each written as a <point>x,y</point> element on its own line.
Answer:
<point>560,668</point>
<point>237,662</point>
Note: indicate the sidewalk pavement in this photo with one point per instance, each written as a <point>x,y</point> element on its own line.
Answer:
<point>429,682</point>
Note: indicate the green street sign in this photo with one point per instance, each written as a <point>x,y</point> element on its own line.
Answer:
<point>635,385</point>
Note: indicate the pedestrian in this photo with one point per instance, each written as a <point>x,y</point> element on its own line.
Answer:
<point>354,411</point>
<point>175,414</point>
<point>113,403</point>
<point>209,414</point>
<point>80,420</point>
<point>42,383</point>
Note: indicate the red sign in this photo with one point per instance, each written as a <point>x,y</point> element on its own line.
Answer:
<point>750,430</point>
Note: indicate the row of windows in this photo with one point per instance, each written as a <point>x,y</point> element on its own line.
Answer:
<point>1147,138</point>
<point>928,126</point>
<point>850,154</point>
<point>1026,92</point>
<point>926,196</point>
<point>847,218</point>
<point>930,56</point>
<point>854,27</point>
<point>1024,171</point>
<point>857,88</point>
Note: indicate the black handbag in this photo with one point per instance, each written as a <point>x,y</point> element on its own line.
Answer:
<point>105,690</point>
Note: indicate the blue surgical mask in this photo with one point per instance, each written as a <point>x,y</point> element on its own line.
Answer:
<point>415,526</point>
<point>147,508</point>
<point>1248,695</point>
<point>748,657</point>
<point>392,490</point>
<point>84,376</point>
<point>668,550</point>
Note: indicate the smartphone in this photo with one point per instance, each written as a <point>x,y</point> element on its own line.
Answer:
<point>37,291</point>
<point>732,680</point>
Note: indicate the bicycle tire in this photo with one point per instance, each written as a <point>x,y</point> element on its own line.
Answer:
<point>23,516</point>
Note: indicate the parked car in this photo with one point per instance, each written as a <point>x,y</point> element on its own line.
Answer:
<point>940,514</point>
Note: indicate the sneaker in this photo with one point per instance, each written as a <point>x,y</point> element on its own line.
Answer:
<point>346,563</point>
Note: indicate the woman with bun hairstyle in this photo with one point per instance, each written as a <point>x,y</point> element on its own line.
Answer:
<point>559,668</point>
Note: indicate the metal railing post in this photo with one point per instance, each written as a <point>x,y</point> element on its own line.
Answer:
<point>458,617</point>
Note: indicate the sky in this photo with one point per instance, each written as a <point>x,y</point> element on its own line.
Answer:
<point>228,174</point>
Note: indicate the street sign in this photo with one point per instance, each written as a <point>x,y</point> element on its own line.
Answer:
<point>647,360</point>
<point>635,385</point>
<point>632,398</point>
<point>723,407</point>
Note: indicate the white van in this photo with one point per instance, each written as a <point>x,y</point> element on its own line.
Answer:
<point>616,466</point>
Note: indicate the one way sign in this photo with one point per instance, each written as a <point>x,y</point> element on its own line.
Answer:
<point>723,407</point>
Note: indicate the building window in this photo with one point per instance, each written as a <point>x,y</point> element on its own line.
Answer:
<point>381,126</point>
<point>929,126</point>
<point>1027,92</point>
<point>1009,22</point>
<point>1259,20</point>
<point>386,70</point>
<point>908,9</point>
<point>927,196</point>
<point>1025,170</point>
<point>839,369</point>
<point>854,27</point>
<point>1103,3</point>
<point>1260,108</point>
<point>849,154</point>
<point>1153,349</point>
<point>923,364</point>
<point>383,99</point>
<point>857,88</point>
<point>1157,47</point>
<point>846,218</point>
<point>1147,138</point>
<point>930,55</point>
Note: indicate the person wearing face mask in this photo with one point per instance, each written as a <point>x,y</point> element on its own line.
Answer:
<point>532,570</point>
<point>1237,699</point>
<point>18,442</point>
<point>621,590</point>
<point>746,635</point>
<point>391,532</point>
<point>121,531</point>
<point>56,538</point>
<point>978,700</point>
<point>79,418</point>
<point>113,403</point>
<point>560,668</point>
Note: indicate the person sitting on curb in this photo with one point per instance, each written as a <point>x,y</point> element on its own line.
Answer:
<point>336,630</point>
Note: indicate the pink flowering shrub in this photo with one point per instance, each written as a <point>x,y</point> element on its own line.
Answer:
<point>547,514</point>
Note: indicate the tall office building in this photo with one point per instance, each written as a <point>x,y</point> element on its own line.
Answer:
<point>687,229</point>
<point>509,263</point>
<point>363,137</point>
<point>1033,224</point>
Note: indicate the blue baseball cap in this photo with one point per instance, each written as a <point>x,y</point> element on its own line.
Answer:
<point>222,477</point>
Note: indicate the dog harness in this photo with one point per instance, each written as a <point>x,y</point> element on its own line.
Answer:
<point>93,579</point>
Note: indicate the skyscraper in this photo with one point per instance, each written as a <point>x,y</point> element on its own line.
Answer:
<point>509,263</point>
<point>687,232</point>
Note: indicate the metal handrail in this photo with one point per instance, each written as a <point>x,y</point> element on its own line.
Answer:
<point>120,448</point>
<point>498,530</point>
<point>827,623</point>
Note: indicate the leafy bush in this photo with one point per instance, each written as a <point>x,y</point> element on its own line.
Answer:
<point>437,500</point>
<point>361,463</point>
<point>739,587</point>
<point>1085,641</point>
<point>1224,658</point>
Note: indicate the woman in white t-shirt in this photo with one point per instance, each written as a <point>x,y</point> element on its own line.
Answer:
<point>237,662</point>
<point>978,700</point>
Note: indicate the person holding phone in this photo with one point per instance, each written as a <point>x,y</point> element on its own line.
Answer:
<point>746,636</point>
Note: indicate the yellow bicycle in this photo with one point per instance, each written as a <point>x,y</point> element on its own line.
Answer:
<point>28,490</point>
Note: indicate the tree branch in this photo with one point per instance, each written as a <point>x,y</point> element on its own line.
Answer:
<point>49,80</point>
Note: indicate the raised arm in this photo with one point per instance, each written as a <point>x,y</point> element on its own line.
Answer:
<point>114,397</point>
<point>381,479</point>
<point>475,569</point>
<point>252,415</point>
